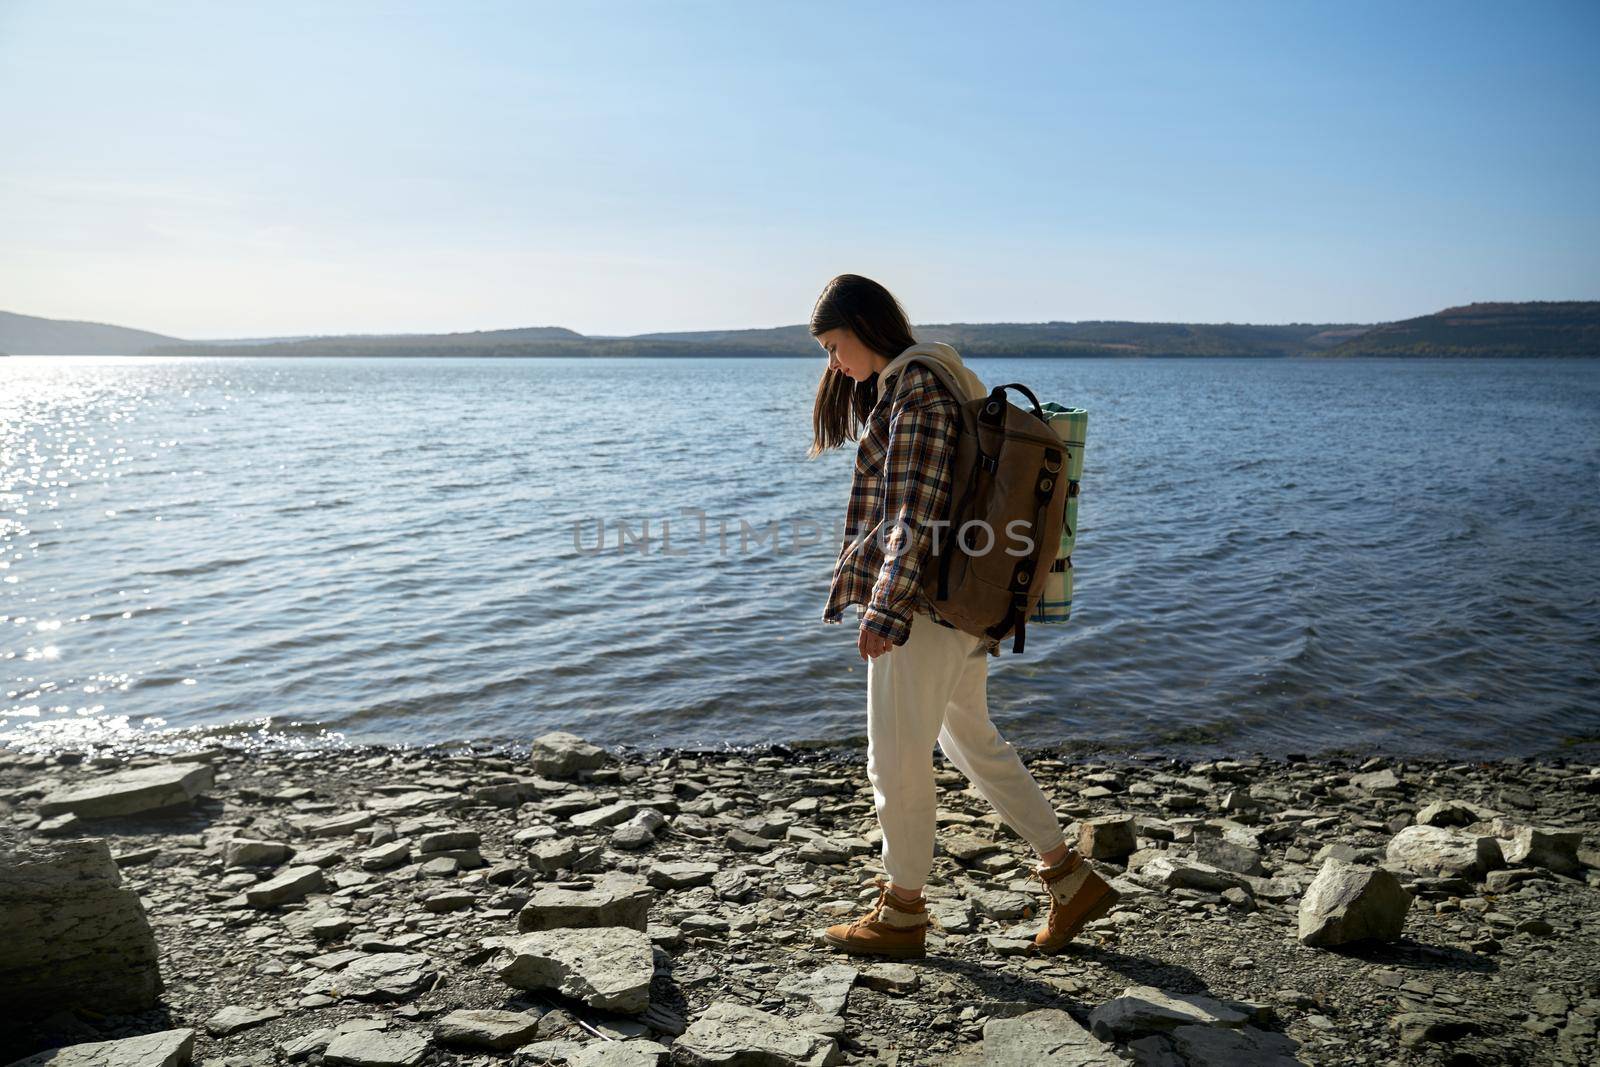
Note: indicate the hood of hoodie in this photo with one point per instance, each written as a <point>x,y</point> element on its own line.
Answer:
<point>946,355</point>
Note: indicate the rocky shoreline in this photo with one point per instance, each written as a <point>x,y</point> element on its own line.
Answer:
<point>571,905</point>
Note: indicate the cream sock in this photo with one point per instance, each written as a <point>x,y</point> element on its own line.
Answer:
<point>1064,889</point>
<point>893,916</point>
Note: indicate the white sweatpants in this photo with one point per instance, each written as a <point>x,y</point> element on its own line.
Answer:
<point>935,686</point>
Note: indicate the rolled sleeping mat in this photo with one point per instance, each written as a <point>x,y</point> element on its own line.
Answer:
<point>1055,603</point>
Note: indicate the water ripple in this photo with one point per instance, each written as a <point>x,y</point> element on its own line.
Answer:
<point>1276,555</point>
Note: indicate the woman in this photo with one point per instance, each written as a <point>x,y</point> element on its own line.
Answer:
<point>926,680</point>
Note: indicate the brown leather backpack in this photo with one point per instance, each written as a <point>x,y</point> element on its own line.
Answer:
<point>985,569</point>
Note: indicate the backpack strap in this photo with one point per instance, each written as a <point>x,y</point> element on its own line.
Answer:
<point>1022,575</point>
<point>940,371</point>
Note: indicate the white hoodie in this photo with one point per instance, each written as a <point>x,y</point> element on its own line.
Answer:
<point>946,355</point>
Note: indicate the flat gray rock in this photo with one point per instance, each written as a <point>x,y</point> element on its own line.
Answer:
<point>826,987</point>
<point>631,837</point>
<point>377,1048</point>
<point>448,841</point>
<point>1348,902</point>
<point>73,934</point>
<point>682,875</point>
<point>966,848</point>
<point>1143,1009</point>
<point>891,977</point>
<point>1048,1037</point>
<point>1436,850</point>
<point>1379,781</point>
<point>416,800</point>
<point>551,1050</point>
<point>384,976</point>
<point>234,1018</point>
<point>383,857</point>
<point>166,785</point>
<point>635,1053</point>
<point>1209,1046</point>
<point>1174,872</point>
<point>290,887</point>
<point>319,923</point>
<point>1228,855</point>
<point>486,1028</point>
<point>333,825</point>
<point>548,857</point>
<point>1419,1028</point>
<point>245,852</point>
<point>168,1048</point>
<point>733,1035</point>
<point>614,899</point>
<point>561,754</point>
<point>607,967</point>
<point>1002,903</point>
<point>613,814</point>
<point>954,913</point>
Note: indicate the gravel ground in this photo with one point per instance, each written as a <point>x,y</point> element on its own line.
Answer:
<point>1493,966</point>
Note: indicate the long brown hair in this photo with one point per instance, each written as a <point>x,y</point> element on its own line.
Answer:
<point>872,313</point>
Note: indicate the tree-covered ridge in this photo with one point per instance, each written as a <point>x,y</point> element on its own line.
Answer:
<point>1535,328</point>
<point>1540,328</point>
<point>1047,339</point>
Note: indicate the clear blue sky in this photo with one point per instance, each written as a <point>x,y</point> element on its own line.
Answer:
<point>228,169</point>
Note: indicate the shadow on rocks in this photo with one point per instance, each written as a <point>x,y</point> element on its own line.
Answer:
<point>176,821</point>
<point>67,1027</point>
<point>1002,985</point>
<point>1414,955</point>
<point>1141,970</point>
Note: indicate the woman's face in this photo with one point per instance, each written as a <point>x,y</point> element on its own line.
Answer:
<point>847,354</point>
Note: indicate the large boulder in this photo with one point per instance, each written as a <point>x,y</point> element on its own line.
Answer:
<point>166,785</point>
<point>1349,902</point>
<point>168,1048</point>
<point>1552,847</point>
<point>1442,852</point>
<point>73,935</point>
<point>1108,837</point>
<point>562,755</point>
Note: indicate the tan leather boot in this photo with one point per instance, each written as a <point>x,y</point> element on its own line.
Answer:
<point>1078,896</point>
<point>893,927</point>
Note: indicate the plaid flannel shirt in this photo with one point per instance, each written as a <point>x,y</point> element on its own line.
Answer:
<point>902,484</point>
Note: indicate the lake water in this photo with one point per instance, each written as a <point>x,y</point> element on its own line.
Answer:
<point>1275,555</point>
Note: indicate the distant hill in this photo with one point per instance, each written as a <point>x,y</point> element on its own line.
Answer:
<point>976,339</point>
<point>389,343</point>
<point>1542,328</point>
<point>1535,328</point>
<point>27,335</point>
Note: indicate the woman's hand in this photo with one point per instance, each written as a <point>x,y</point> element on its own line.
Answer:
<point>871,644</point>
